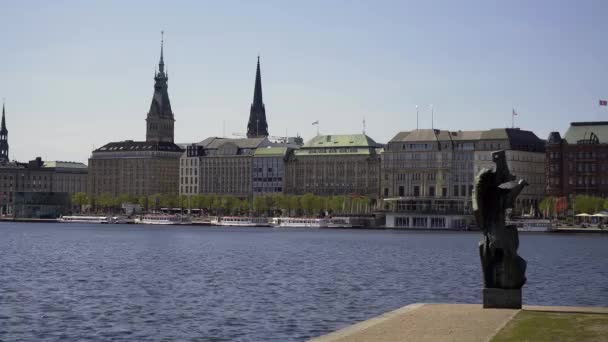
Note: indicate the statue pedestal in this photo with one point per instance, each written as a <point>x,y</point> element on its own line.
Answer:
<point>494,298</point>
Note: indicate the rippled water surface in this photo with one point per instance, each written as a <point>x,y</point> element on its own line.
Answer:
<point>68,282</point>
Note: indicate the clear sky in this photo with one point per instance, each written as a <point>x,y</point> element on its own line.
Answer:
<point>79,74</point>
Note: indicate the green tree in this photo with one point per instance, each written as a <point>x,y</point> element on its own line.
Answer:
<point>215,203</point>
<point>547,206</point>
<point>245,207</point>
<point>293,205</point>
<point>307,203</point>
<point>106,201</point>
<point>93,202</point>
<point>587,204</point>
<point>80,199</point>
<point>154,201</point>
<point>316,205</point>
<point>260,205</point>
<point>143,202</point>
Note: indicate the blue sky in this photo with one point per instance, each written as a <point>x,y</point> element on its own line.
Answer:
<point>79,74</point>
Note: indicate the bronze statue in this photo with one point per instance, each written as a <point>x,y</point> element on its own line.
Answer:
<point>495,191</point>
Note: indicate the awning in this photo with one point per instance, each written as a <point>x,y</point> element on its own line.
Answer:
<point>583,215</point>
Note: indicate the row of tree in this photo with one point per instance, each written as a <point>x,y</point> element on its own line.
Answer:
<point>558,206</point>
<point>293,205</point>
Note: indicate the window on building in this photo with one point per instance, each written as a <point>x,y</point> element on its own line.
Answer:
<point>455,190</point>
<point>385,192</point>
<point>444,192</point>
<point>401,191</point>
<point>432,191</point>
<point>416,190</point>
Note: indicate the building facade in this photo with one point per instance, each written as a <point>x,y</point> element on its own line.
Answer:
<point>526,157</point>
<point>53,178</point>
<point>268,173</point>
<point>428,175</point>
<point>141,168</point>
<point>329,165</point>
<point>135,168</point>
<point>577,163</point>
<point>219,166</point>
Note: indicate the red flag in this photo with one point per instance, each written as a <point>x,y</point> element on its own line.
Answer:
<point>603,102</point>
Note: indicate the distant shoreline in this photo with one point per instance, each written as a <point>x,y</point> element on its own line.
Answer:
<point>568,230</point>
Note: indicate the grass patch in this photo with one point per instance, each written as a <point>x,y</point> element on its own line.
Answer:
<point>541,326</point>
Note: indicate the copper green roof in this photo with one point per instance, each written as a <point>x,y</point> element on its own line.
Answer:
<point>64,164</point>
<point>270,151</point>
<point>350,140</point>
<point>351,144</point>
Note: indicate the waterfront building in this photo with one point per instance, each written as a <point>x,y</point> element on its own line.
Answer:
<point>141,168</point>
<point>428,175</point>
<point>257,125</point>
<point>427,178</point>
<point>525,154</point>
<point>577,163</point>
<point>330,165</point>
<point>53,179</point>
<point>268,171</point>
<point>219,166</point>
<point>30,189</point>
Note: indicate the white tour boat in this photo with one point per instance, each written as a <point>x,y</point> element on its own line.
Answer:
<point>86,219</point>
<point>236,221</point>
<point>533,225</point>
<point>163,219</point>
<point>300,222</point>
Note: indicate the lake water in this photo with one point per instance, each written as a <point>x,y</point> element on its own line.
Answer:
<point>69,282</point>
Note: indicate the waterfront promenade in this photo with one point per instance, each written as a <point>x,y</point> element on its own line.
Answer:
<point>472,323</point>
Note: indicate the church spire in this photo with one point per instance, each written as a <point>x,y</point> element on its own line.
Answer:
<point>257,126</point>
<point>3,137</point>
<point>3,127</point>
<point>161,64</point>
<point>257,91</point>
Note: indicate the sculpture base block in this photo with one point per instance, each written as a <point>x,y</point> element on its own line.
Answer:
<point>494,298</point>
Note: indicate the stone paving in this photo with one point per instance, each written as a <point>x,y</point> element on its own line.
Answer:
<point>438,322</point>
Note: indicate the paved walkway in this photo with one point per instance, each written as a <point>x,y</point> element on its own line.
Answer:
<point>428,322</point>
<point>439,322</point>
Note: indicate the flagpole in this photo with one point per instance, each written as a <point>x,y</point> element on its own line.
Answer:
<point>432,117</point>
<point>416,116</point>
<point>513,119</point>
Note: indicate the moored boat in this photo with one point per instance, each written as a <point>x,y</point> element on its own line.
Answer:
<point>160,219</point>
<point>237,221</point>
<point>533,225</point>
<point>86,219</point>
<point>339,222</point>
<point>300,222</point>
